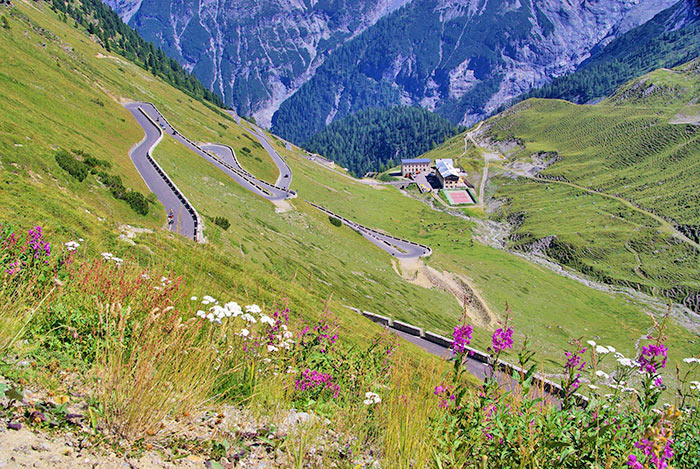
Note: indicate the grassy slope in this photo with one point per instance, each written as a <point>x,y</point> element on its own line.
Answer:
<point>48,97</point>
<point>624,147</point>
<point>549,309</point>
<point>243,261</point>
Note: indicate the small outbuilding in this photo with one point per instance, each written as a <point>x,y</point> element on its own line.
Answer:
<point>413,166</point>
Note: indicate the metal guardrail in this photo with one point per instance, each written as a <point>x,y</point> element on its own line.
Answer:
<point>247,176</point>
<point>351,223</point>
<point>547,385</point>
<point>198,225</point>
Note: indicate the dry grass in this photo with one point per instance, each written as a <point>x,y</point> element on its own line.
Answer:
<point>153,367</point>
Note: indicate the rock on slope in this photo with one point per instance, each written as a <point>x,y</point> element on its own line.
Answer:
<point>254,53</point>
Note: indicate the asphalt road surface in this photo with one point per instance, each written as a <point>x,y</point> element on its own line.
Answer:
<point>284,180</point>
<point>223,157</point>
<point>184,221</point>
<point>399,248</point>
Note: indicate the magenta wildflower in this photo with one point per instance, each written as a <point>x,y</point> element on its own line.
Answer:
<point>658,460</point>
<point>633,463</point>
<point>35,238</point>
<point>462,336</point>
<point>648,359</point>
<point>502,339</point>
<point>445,394</point>
<point>574,364</point>
<point>311,379</point>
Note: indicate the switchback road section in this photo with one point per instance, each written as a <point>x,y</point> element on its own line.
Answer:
<point>186,220</point>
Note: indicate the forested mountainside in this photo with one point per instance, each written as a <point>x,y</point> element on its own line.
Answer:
<point>376,139</point>
<point>253,53</point>
<point>106,26</point>
<point>669,39</point>
<point>460,58</point>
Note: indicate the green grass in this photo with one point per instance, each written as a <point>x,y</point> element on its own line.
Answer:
<point>623,147</point>
<point>298,253</point>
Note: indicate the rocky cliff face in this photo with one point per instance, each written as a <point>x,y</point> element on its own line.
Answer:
<point>461,58</point>
<point>254,53</point>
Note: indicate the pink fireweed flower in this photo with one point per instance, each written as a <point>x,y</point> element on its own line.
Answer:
<point>648,359</point>
<point>574,364</point>
<point>462,336</point>
<point>445,394</point>
<point>502,339</point>
<point>311,379</point>
<point>633,463</point>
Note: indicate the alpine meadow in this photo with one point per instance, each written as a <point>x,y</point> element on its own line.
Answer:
<point>340,234</point>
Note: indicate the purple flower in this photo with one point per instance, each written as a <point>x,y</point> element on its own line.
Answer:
<point>502,339</point>
<point>311,379</point>
<point>648,359</point>
<point>574,364</point>
<point>633,463</point>
<point>445,394</point>
<point>462,336</point>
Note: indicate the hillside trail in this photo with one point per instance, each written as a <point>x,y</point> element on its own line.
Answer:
<point>415,271</point>
<point>488,157</point>
<point>665,226</point>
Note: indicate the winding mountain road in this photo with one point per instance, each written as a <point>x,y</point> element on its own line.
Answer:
<point>221,156</point>
<point>284,180</point>
<point>399,248</point>
<point>186,221</point>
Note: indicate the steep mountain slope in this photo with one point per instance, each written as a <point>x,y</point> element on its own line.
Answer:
<point>460,58</point>
<point>67,95</point>
<point>253,53</point>
<point>376,139</point>
<point>669,39</point>
<point>611,189</point>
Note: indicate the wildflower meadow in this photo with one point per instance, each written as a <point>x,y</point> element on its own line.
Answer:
<point>151,349</point>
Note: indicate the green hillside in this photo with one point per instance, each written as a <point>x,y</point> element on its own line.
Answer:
<point>300,244</point>
<point>622,201</point>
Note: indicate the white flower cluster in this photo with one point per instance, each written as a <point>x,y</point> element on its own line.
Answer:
<point>72,245</point>
<point>695,385</point>
<point>601,349</point>
<point>108,256</point>
<point>216,313</point>
<point>691,360</point>
<point>371,398</point>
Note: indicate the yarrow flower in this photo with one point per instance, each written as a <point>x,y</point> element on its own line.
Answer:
<point>233,309</point>
<point>254,309</point>
<point>371,398</point>
<point>691,360</point>
<point>72,245</point>
<point>462,337</point>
